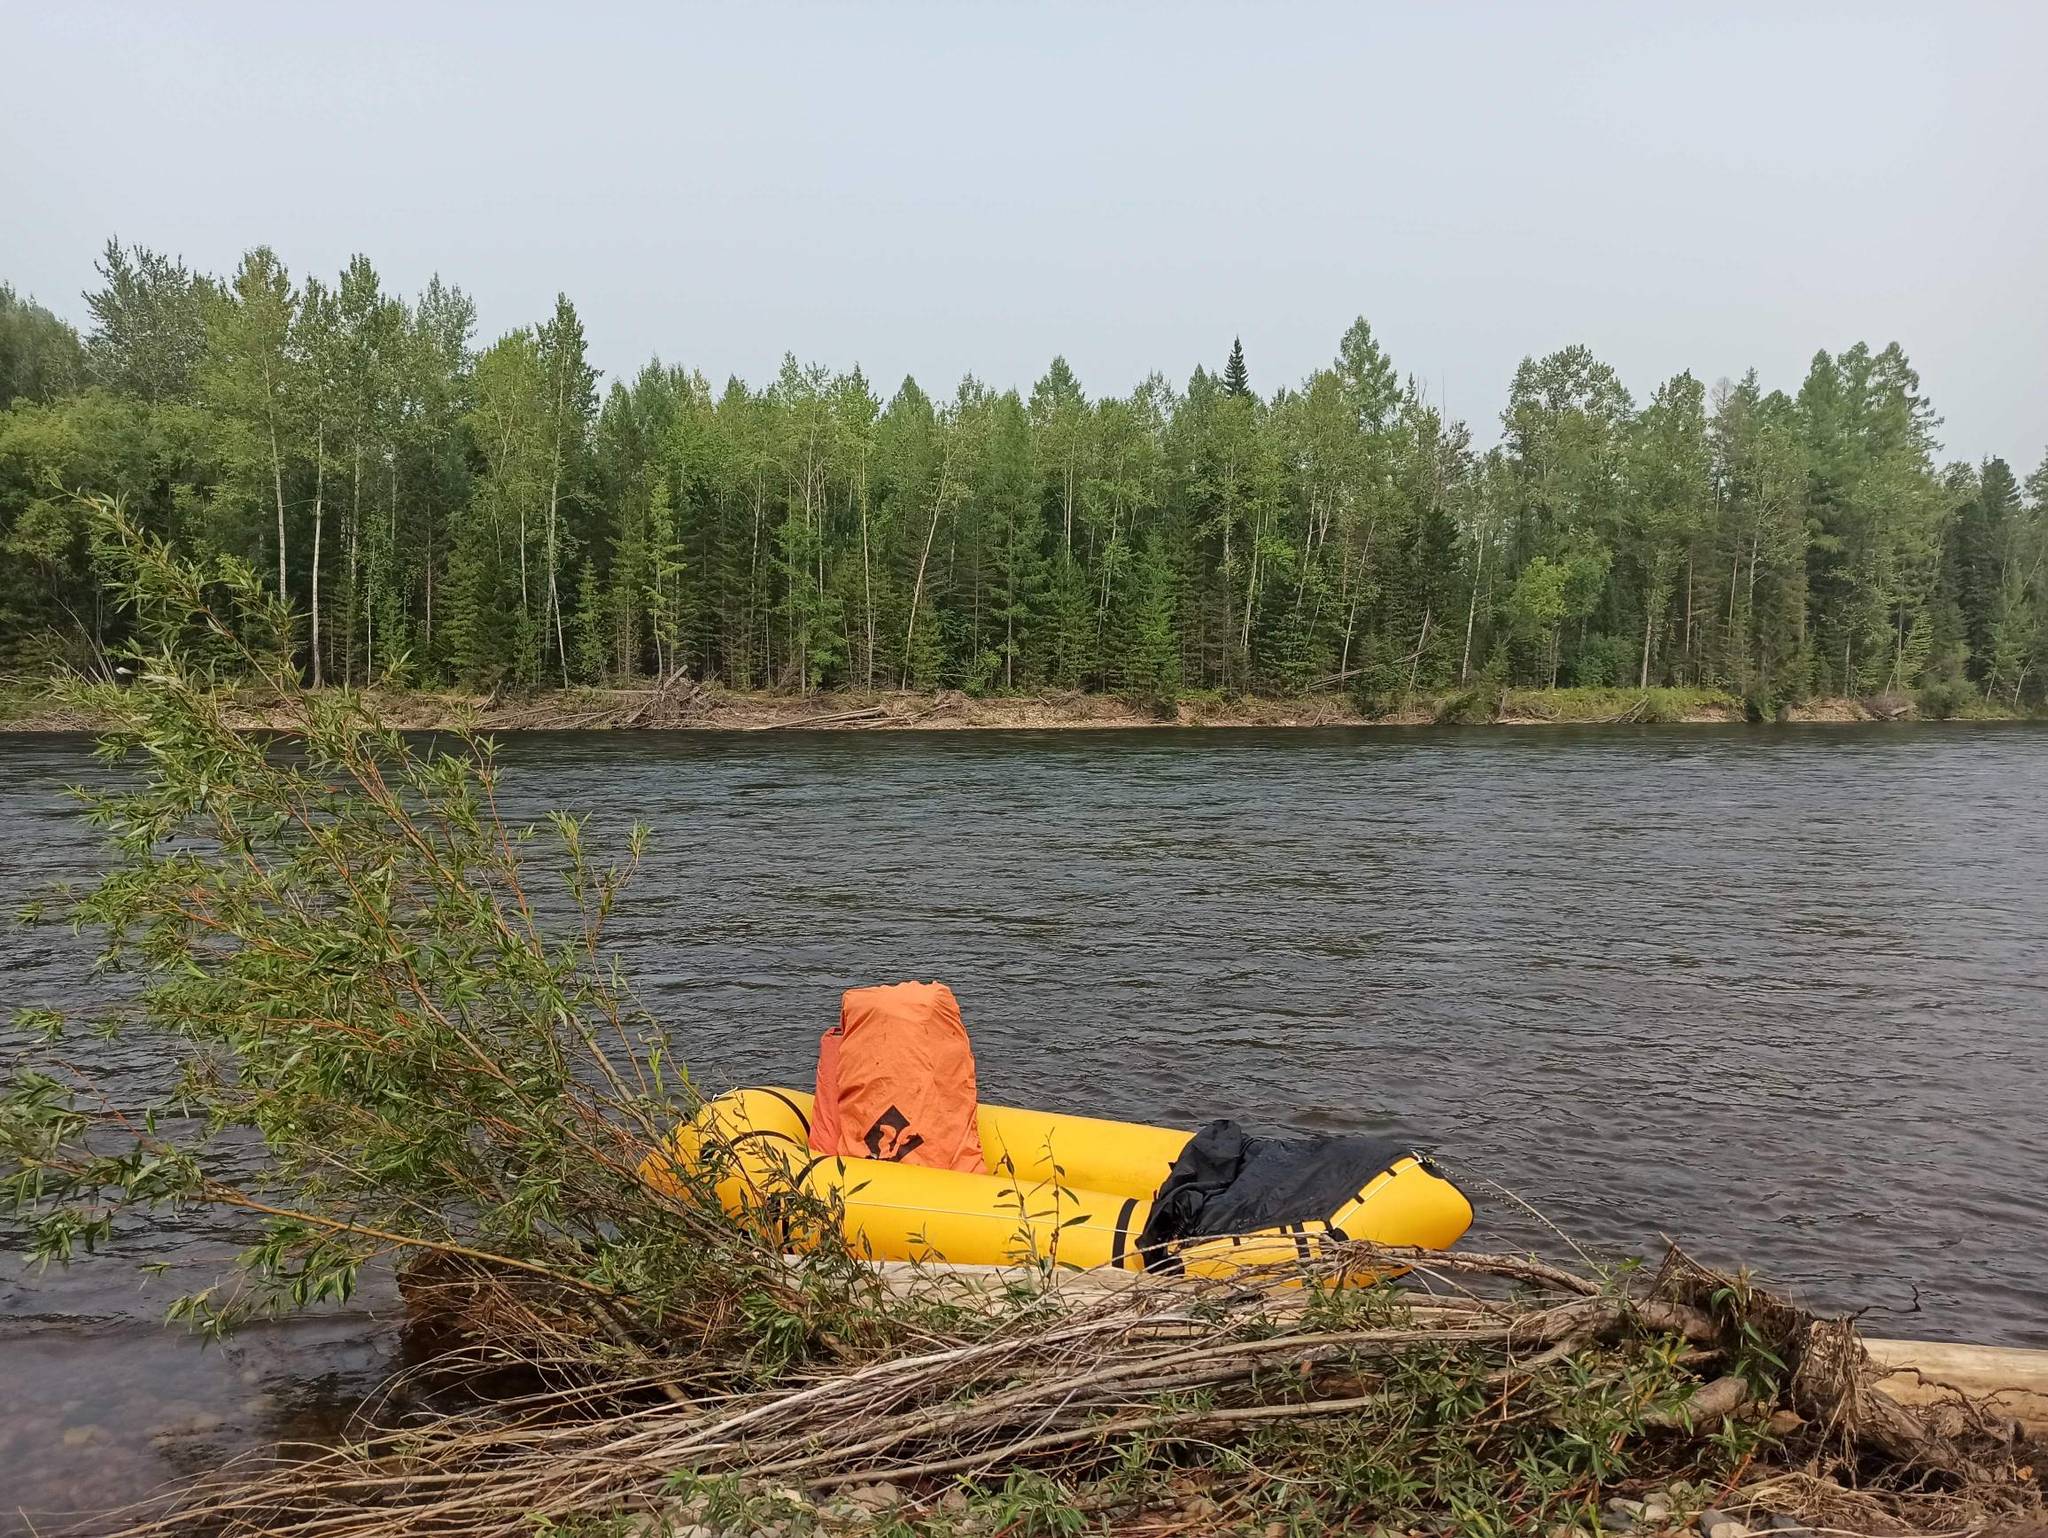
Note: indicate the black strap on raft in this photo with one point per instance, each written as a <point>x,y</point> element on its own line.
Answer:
<point>794,1107</point>
<point>816,1159</point>
<point>1121,1239</point>
<point>762,1134</point>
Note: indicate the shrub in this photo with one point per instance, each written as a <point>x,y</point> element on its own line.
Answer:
<point>1604,660</point>
<point>1468,707</point>
<point>1944,701</point>
<point>1380,683</point>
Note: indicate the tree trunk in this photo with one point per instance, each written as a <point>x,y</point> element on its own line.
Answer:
<point>1347,596</point>
<point>427,635</point>
<point>1251,591</point>
<point>277,481</point>
<point>1229,599</point>
<point>1472,611</point>
<point>561,647</point>
<point>867,585</point>
<point>554,599</point>
<point>917,590</point>
<point>525,605</point>
<point>754,577</point>
<point>1067,503</point>
<point>1749,640</point>
<point>1415,661</point>
<point>1102,609</point>
<point>355,588</point>
<point>319,495</point>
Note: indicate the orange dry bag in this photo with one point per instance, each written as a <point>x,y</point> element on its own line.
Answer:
<point>896,1080</point>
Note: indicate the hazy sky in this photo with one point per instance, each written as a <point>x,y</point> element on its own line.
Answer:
<point>972,187</point>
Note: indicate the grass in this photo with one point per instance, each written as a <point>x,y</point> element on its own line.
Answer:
<point>28,704</point>
<point>21,699</point>
<point>1960,702</point>
<point>1654,706</point>
<point>1484,705</point>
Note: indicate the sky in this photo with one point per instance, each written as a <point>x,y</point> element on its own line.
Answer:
<point>941,189</point>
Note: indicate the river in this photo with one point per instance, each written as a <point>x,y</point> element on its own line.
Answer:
<point>1779,993</point>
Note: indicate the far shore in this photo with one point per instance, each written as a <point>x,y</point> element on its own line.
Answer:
<point>694,707</point>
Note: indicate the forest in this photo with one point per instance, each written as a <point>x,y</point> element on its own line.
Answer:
<point>445,512</point>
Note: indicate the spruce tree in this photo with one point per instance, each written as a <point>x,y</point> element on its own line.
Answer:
<point>1236,382</point>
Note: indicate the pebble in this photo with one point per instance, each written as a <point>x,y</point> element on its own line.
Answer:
<point>1657,1508</point>
<point>192,1422</point>
<point>1727,1527</point>
<point>78,1436</point>
<point>879,1496</point>
<point>1276,1530</point>
<point>954,1502</point>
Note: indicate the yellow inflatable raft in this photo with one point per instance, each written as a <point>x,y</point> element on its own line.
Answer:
<point>1069,1190</point>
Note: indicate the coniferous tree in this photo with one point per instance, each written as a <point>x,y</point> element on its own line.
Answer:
<point>1235,380</point>
<point>454,516</point>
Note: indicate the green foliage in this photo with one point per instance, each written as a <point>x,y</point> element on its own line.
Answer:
<point>1033,1505</point>
<point>1468,707</point>
<point>1946,701</point>
<point>1649,707</point>
<point>1377,689</point>
<point>478,514</point>
<point>406,1000</point>
<point>40,356</point>
<point>1603,661</point>
<point>1236,381</point>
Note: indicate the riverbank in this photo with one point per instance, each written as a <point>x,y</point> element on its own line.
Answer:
<point>1509,1394</point>
<point>685,705</point>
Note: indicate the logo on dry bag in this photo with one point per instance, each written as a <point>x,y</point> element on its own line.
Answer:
<point>885,1138</point>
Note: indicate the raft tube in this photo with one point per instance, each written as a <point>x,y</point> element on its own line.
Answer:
<point>1068,1190</point>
